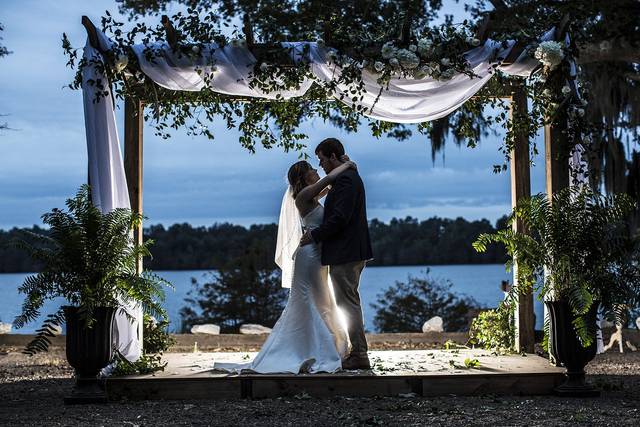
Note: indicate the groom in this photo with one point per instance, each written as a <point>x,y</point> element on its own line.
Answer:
<point>346,247</point>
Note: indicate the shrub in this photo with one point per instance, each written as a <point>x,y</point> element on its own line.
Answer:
<point>494,329</point>
<point>404,307</point>
<point>243,291</point>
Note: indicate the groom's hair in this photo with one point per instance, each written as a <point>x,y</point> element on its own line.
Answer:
<point>331,146</point>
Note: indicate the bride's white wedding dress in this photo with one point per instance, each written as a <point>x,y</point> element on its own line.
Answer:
<point>308,336</point>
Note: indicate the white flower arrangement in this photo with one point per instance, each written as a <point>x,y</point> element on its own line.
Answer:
<point>566,90</point>
<point>408,59</point>
<point>550,53</point>
<point>121,63</point>
<point>421,58</point>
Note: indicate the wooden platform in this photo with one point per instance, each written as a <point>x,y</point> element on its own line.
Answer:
<point>394,373</point>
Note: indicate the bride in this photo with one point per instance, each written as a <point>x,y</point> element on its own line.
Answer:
<point>309,336</point>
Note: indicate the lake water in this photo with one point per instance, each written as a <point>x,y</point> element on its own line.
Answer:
<point>482,282</point>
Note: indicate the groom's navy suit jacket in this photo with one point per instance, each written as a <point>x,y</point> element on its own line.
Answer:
<point>344,232</point>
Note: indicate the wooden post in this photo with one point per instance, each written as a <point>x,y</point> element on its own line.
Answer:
<point>556,156</point>
<point>521,187</point>
<point>133,123</point>
<point>557,178</point>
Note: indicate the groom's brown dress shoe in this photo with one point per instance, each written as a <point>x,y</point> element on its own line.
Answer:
<point>356,362</point>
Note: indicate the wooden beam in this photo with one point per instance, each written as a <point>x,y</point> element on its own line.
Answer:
<point>482,30</point>
<point>91,32</point>
<point>514,53</point>
<point>521,188</point>
<point>247,29</point>
<point>561,29</point>
<point>498,4</point>
<point>557,178</point>
<point>172,37</point>
<point>133,124</point>
<point>556,155</point>
<point>405,29</point>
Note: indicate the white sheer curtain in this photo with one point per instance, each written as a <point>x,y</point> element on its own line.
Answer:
<point>108,184</point>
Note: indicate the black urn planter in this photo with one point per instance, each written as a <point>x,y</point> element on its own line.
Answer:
<point>88,351</point>
<point>569,351</point>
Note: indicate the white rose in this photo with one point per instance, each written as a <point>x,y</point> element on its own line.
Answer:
<point>264,66</point>
<point>408,59</point>
<point>425,46</point>
<point>445,61</point>
<point>547,92</point>
<point>566,90</point>
<point>121,62</point>
<point>195,49</point>
<point>581,112</point>
<point>394,62</point>
<point>378,66</point>
<point>388,50</point>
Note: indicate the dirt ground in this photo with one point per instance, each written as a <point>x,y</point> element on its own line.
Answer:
<point>32,388</point>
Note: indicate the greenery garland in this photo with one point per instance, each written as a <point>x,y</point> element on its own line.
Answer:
<point>437,52</point>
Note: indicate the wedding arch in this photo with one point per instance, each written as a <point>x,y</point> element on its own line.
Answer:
<point>405,88</point>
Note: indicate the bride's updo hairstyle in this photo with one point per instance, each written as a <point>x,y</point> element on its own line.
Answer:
<point>296,176</point>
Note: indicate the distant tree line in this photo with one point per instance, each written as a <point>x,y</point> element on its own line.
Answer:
<point>185,247</point>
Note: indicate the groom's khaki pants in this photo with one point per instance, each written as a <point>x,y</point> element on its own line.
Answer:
<point>346,281</point>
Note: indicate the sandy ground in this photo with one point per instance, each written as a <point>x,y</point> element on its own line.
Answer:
<point>31,390</point>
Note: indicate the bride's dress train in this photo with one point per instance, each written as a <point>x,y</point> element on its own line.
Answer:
<point>309,336</point>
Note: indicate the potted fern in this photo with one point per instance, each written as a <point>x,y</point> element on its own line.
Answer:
<point>88,258</point>
<point>580,257</point>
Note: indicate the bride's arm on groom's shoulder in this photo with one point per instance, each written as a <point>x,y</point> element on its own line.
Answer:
<point>311,191</point>
<point>343,206</point>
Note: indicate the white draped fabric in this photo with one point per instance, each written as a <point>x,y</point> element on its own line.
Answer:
<point>405,101</point>
<point>108,184</point>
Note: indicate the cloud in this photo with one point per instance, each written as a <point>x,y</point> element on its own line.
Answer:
<point>194,179</point>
